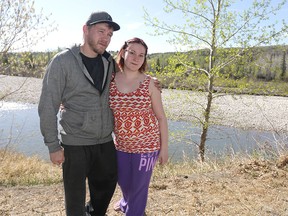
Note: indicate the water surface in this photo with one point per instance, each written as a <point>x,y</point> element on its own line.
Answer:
<point>19,129</point>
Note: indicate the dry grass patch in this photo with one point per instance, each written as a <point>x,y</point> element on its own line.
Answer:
<point>239,186</point>
<point>17,169</point>
<point>235,185</point>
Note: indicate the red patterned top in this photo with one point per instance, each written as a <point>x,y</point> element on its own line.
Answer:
<point>136,127</point>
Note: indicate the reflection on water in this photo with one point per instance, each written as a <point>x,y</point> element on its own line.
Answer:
<point>19,128</point>
<point>221,140</point>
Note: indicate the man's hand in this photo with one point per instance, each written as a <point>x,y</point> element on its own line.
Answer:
<point>157,84</point>
<point>57,157</point>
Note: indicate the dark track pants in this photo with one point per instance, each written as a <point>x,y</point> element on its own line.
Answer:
<point>98,164</point>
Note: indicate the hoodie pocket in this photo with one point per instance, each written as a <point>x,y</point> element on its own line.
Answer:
<point>82,124</point>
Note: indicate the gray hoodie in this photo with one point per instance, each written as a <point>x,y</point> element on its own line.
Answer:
<point>86,118</point>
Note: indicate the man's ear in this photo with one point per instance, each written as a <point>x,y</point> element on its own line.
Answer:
<point>85,29</point>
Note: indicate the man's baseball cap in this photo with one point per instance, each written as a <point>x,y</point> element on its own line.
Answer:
<point>102,17</point>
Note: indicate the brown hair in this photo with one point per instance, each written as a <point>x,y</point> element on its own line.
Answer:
<point>120,59</point>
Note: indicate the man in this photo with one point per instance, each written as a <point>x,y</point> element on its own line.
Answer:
<point>78,79</point>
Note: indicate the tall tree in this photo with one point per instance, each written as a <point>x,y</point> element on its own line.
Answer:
<point>21,26</point>
<point>216,25</point>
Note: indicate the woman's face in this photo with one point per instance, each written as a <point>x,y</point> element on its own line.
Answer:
<point>134,56</point>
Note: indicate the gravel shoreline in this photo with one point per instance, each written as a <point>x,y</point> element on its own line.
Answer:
<point>240,111</point>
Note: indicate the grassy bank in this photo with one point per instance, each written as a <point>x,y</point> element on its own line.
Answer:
<point>18,169</point>
<point>231,185</point>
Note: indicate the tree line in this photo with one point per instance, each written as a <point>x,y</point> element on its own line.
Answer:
<point>267,64</point>
<point>264,64</point>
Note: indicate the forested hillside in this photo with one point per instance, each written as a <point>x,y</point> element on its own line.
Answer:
<point>264,63</point>
<point>261,68</point>
<point>262,71</point>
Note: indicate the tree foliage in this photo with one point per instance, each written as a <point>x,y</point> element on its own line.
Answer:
<point>21,26</point>
<point>217,25</point>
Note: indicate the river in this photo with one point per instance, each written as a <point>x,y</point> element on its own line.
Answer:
<point>19,130</point>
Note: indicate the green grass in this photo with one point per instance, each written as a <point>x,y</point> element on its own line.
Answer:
<point>245,86</point>
<point>228,86</point>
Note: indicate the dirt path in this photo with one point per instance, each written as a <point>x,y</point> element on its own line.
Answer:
<point>254,188</point>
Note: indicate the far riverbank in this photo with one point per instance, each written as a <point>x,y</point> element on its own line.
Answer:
<point>241,111</point>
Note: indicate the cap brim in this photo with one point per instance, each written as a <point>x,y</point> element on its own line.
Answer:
<point>115,26</point>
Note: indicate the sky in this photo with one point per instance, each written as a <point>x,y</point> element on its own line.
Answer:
<point>71,15</point>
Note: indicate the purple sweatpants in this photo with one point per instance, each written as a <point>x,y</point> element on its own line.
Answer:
<point>134,174</point>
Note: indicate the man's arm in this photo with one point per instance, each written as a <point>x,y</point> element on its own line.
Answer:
<point>49,103</point>
<point>157,84</point>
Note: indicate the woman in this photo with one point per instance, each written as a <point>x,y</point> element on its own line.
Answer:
<point>140,128</point>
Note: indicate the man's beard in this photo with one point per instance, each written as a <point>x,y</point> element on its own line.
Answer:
<point>94,47</point>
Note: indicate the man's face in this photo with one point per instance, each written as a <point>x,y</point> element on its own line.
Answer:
<point>98,37</point>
